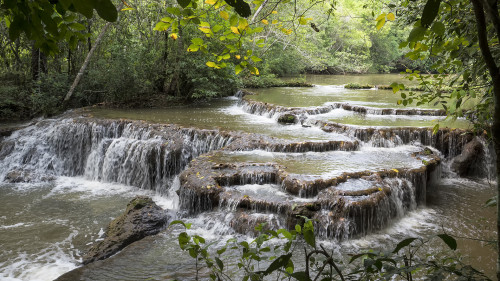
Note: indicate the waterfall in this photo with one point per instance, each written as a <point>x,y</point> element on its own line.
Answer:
<point>132,153</point>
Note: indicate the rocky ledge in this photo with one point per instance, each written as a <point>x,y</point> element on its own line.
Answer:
<point>141,218</point>
<point>209,184</point>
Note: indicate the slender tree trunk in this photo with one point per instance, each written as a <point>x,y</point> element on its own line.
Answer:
<point>38,62</point>
<point>89,30</point>
<point>69,61</point>
<point>493,69</point>
<point>87,60</point>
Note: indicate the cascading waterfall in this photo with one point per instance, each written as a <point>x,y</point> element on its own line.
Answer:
<point>129,153</point>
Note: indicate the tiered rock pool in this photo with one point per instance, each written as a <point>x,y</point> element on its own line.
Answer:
<point>229,165</point>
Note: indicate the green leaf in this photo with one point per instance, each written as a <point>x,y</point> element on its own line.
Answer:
<point>233,21</point>
<point>183,3</point>
<point>211,64</point>
<point>197,41</point>
<point>217,28</point>
<point>77,26</point>
<point>430,12</point>
<point>450,241</point>
<point>174,11</point>
<point>309,237</point>
<point>298,228</point>
<point>219,263</point>
<point>186,225</point>
<point>167,19</point>
<point>184,240</point>
<point>395,87</point>
<point>417,34</point>
<point>84,7</point>
<point>161,26</point>
<point>403,244</point>
<point>237,69</point>
<point>240,6</point>
<point>15,29</point>
<point>278,263</point>
<point>105,9</point>
<point>435,129</point>
<point>438,28</point>
<point>255,59</point>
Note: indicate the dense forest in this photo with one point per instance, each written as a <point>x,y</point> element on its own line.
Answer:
<point>141,61</point>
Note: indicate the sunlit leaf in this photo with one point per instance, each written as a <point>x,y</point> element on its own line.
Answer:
<point>264,21</point>
<point>391,16</point>
<point>255,59</point>
<point>380,17</point>
<point>211,64</point>
<point>380,23</point>
<point>193,48</point>
<point>235,30</point>
<point>224,15</point>
<point>237,69</point>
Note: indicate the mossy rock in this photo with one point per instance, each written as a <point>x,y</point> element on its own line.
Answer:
<point>287,119</point>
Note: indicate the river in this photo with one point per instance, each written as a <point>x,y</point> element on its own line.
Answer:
<point>80,172</point>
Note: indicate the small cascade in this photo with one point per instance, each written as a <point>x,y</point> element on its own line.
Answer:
<point>449,142</point>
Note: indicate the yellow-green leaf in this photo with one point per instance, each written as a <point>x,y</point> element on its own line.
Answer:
<point>237,69</point>
<point>380,23</point>
<point>193,48</point>
<point>211,64</point>
<point>161,26</point>
<point>234,29</point>
<point>380,17</point>
<point>265,21</point>
<point>255,59</point>
<point>391,16</point>
<point>210,2</point>
<point>224,15</point>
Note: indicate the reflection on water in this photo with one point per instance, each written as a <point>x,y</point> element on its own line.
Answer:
<point>220,114</point>
<point>319,95</point>
<point>353,118</point>
<point>332,163</point>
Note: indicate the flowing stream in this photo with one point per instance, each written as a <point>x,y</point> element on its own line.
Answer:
<point>65,179</point>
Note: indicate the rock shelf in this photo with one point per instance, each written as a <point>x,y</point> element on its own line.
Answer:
<point>207,185</point>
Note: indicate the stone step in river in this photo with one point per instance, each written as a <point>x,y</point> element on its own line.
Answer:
<point>368,171</point>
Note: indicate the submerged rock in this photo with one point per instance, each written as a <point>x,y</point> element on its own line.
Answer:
<point>287,119</point>
<point>141,218</point>
<point>468,163</point>
<point>20,176</point>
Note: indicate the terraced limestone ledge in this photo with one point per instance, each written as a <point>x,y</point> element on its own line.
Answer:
<point>271,110</point>
<point>339,213</point>
<point>449,142</point>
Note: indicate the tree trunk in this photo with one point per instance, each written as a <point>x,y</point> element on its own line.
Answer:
<point>38,62</point>
<point>479,13</point>
<point>87,60</point>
